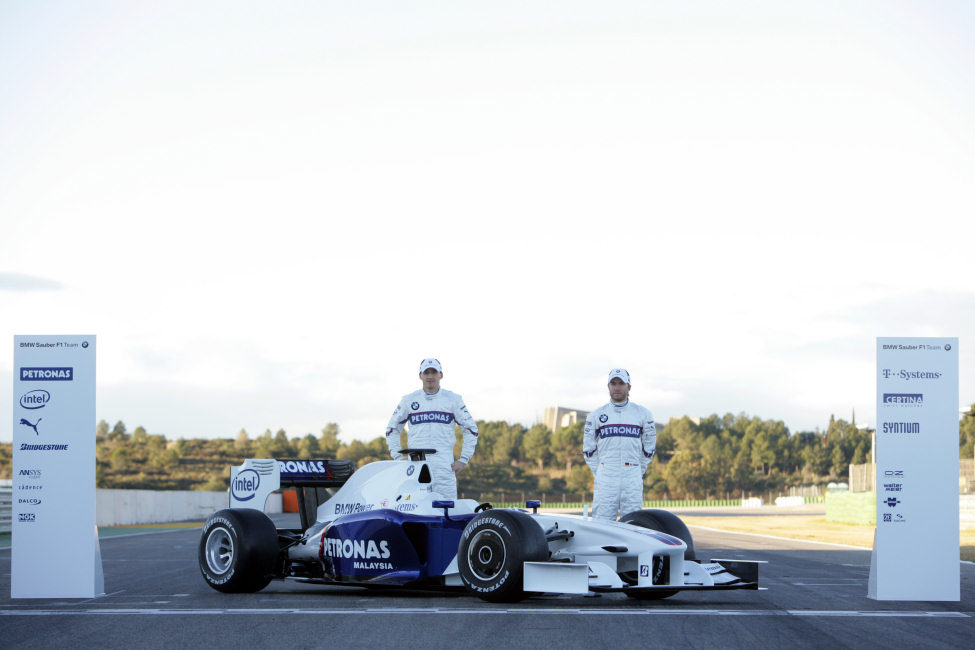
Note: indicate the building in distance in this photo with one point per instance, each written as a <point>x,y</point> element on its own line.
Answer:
<point>556,417</point>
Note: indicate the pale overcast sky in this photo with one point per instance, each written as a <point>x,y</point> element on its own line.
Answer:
<point>268,213</point>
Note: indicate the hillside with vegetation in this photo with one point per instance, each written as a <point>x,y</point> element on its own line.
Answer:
<point>718,457</point>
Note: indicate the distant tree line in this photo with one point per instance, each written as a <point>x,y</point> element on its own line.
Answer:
<point>725,456</point>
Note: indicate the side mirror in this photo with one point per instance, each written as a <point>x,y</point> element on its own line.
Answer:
<point>446,505</point>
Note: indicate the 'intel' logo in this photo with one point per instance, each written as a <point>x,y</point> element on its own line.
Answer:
<point>245,484</point>
<point>46,374</point>
<point>35,399</point>
<point>904,399</point>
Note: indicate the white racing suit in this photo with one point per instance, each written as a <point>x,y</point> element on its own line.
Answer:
<point>618,444</point>
<point>431,419</point>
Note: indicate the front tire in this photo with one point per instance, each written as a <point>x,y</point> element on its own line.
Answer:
<point>237,550</point>
<point>665,522</point>
<point>492,552</point>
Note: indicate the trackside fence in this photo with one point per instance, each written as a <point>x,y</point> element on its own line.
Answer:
<point>862,477</point>
<point>578,505</point>
<point>708,503</point>
<point>6,509</point>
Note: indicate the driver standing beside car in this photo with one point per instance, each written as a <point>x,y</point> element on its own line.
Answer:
<point>431,413</point>
<point>618,444</point>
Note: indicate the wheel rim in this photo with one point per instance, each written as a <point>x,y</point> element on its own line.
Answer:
<point>486,555</point>
<point>219,550</point>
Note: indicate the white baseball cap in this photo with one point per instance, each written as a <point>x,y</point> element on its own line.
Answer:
<point>430,363</point>
<point>621,373</point>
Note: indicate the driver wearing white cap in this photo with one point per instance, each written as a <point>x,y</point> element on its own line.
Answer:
<point>431,413</point>
<point>618,444</point>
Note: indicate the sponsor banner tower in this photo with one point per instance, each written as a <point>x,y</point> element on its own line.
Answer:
<point>54,546</point>
<point>916,543</point>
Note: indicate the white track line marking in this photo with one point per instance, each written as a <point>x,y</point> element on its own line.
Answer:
<point>150,532</point>
<point>794,539</point>
<point>88,600</point>
<point>493,612</point>
<point>788,539</point>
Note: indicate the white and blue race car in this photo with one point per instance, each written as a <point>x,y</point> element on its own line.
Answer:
<point>384,526</point>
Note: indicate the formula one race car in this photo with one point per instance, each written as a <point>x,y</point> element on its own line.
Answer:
<point>384,526</point>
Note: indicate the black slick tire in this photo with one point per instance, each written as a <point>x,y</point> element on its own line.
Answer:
<point>492,552</point>
<point>237,551</point>
<point>667,523</point>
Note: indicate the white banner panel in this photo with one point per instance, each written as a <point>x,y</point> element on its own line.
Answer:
<point>54,546</point>
<point>916,546</point>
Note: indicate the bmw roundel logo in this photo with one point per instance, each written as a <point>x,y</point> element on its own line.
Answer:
<point>409,470</point>
<point>603,417</point>
<point>947,347</point>
<point>415,405</point>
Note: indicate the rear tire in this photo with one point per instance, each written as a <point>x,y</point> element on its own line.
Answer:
<point>492,552</point>
<point>238,550</point>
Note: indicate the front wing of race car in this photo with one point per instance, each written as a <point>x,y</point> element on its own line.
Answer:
<point>608,556</point>
<point>595,576</point>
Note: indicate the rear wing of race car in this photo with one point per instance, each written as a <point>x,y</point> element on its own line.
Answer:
<point>255,480</point>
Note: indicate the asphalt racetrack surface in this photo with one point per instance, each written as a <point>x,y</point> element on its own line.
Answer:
<point>156,598</point>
